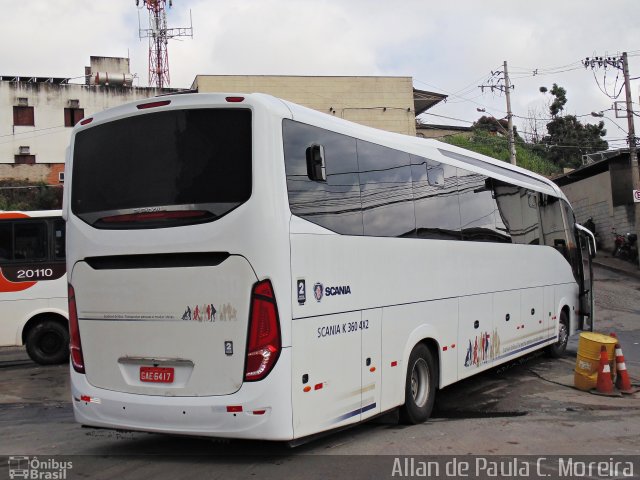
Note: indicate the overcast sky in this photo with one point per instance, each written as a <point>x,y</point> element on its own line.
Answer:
<point>449,47</point>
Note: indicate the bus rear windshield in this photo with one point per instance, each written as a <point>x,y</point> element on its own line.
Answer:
<point>162,169</point>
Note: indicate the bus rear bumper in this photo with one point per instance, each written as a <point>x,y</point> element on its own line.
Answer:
<point>253,412</point>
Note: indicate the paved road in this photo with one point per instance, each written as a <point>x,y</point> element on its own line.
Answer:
<point>618,310</point>
<point>525,408</point>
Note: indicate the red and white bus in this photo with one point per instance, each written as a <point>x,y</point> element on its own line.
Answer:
<point>33,284</point>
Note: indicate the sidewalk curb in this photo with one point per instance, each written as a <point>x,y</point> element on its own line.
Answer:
<point>619,270</point>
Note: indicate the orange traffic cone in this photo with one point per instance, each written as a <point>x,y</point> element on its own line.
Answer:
<point>604,384</point>
<point>623,383</point>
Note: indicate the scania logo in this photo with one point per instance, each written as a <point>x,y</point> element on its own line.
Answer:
<point>318,291</point>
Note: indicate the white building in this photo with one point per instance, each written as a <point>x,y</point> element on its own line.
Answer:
<point>37,114</point>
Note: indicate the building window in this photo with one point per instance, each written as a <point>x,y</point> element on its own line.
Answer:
<point>73,116</point>
<point>23,116</point>
<point>25,159</point>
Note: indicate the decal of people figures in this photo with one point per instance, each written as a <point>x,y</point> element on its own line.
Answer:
<point>200,313</point>
<point>482,348</point>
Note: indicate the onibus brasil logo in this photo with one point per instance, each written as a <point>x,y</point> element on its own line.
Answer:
<point>38,469</point>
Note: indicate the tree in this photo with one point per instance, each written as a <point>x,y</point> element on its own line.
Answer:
<point>567,138</point>
<point>559,100</point>
<point>494,125</point>
<point>25,195</point>
<point>490,124</point>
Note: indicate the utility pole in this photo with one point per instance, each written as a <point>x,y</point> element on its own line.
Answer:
<point>633,152</point>
<point>622,63</point>
<point>496,83</point>
<point>507,93</point>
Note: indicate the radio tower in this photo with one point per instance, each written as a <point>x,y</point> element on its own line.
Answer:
<point>158,35</point>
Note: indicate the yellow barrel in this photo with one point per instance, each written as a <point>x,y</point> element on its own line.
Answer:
<point>588,359</point>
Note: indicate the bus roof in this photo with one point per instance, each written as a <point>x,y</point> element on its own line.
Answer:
<point>6,214</point>
<point>432,149</point>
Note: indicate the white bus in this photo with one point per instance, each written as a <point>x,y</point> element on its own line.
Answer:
<point>244,267</point>
<point>33,284</point>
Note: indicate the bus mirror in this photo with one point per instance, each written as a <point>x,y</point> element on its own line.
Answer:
<point>592,246</point>
<point>588,238</point>
<point>316,169</point>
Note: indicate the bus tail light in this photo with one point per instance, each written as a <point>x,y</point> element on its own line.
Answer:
<point>263,347</point>
<point>160,103</point>
<point>77,359</point>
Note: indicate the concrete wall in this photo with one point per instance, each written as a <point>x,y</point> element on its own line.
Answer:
<point>439,132</point>
<point>49,138</point>
<point>591,197</point>
<point>379,102</point>
<point>109,64</point>
<point>40,172</point>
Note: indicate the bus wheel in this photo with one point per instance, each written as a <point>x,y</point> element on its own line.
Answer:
<point>557,349</point>
<point>48,342</point>
<point>420,388</point>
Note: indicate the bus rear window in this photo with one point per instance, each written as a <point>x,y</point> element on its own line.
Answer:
<point>162,169</point>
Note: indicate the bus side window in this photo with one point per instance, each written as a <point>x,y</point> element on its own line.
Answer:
<point>553,233</point>
<point>572,243</point>
<point>6,241</point>
<point>530,216</point>
<point>435,199</point>
<point>386,191</point>
<point>332,198</point>
<point>30,241</point>
<point>59,240</point>
<point>478,209</point>
<point>518,210</point>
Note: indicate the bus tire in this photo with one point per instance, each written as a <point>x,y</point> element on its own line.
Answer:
<point>420,387</point>
<point>558,349</point>
<point>48,342</point>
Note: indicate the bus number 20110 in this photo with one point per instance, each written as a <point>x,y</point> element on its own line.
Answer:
<point>35,274</point>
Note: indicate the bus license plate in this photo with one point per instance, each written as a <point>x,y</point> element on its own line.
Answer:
<point>156,374</point>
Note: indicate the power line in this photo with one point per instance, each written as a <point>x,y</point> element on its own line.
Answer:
<point>549,69</point>
<point>448,118</point>
<point>537,73</point>
<point>455,95</point>
<point>592,114</point>
<point>604,85</point>
<point>31,131</point>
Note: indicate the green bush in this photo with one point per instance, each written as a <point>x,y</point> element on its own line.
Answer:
<point>498,148</point>
<point>27,195</point>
